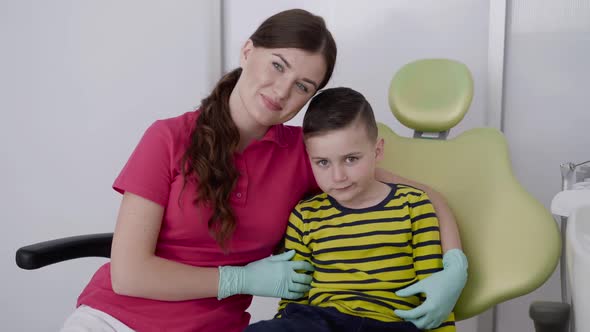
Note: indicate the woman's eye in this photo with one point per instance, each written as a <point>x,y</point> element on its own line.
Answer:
<point>302,87</point>
<point>322,163</point>
<point>278,66</point>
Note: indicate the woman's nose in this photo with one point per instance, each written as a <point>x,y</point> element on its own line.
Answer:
<point>282,87</point>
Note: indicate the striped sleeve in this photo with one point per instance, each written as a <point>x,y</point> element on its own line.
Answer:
<point>427,247</point>
<point>425,237</point>
<point>294,240</point>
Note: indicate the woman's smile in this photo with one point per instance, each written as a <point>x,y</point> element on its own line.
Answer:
<point>271,104</point>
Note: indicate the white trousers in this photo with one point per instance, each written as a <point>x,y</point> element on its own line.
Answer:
<point>87,319</point>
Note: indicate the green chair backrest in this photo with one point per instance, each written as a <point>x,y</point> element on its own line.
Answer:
<point>511,240</point>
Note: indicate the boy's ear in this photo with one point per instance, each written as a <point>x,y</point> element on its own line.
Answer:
<point>246,51</point>
<point>379,149</point>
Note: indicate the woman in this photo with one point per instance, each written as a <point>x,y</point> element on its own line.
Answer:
<point>210,191</point>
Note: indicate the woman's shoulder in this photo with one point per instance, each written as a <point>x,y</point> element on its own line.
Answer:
<point>180,123</point>
<point>175,128</point>
<point>291,135</point>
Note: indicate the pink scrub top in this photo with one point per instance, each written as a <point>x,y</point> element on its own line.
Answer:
<point>275,174</point>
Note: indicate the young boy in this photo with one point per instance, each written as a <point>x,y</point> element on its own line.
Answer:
<point>366,239</point>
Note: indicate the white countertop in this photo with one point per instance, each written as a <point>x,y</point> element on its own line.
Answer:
<point>567,201</point>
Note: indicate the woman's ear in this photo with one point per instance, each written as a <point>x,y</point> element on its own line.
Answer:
<point>246,51</point>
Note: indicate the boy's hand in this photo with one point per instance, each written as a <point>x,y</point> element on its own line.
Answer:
<point>442,290</point>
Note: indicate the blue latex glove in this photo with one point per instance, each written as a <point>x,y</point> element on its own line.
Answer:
<point>442,290</point>
<point>273,276</point>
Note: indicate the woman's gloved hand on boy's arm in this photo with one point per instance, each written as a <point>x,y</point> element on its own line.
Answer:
<point>442,291</point>
<point>274,276</point>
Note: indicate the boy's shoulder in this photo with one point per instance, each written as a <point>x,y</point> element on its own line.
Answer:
<point>313,200</point>
<point>309,206</point>
<point>405,188</point>
<point>409,193</point>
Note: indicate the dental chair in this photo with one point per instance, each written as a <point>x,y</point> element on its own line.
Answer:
<point>511,240</point>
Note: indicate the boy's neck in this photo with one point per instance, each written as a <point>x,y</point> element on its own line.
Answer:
<point>374,194</point>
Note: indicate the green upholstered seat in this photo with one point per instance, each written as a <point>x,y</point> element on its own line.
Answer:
<point>511,240</point>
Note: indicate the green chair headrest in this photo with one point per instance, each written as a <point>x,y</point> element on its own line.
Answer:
<point>431,95</point>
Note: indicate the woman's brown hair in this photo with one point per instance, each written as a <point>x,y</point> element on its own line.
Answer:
<point>209,157</point>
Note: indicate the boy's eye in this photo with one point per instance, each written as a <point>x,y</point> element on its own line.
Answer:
<point>302,87</point>
<point>350,160</point>
<point>278,66</point>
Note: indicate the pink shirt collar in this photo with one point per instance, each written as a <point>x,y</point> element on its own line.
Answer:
<point>277,135</point>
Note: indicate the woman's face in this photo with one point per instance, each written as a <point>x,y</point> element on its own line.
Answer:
<point>276,83</point>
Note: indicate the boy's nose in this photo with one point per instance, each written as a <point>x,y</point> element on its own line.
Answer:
<point>338,174</point>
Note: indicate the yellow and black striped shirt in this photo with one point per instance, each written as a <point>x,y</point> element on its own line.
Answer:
<point>363,256</point>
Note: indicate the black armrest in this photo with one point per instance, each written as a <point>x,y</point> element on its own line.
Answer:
<point>40,254</point>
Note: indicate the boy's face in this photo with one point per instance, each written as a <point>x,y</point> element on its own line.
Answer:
<point>344,161</point>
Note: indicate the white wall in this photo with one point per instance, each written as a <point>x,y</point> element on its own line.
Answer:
<point>79,82</point>
<point>546,111</point>
<point>373,43</point>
